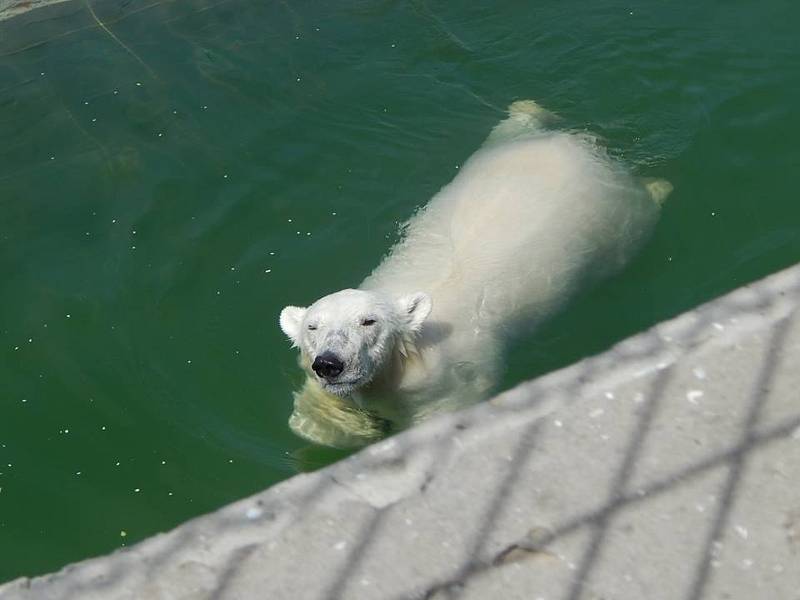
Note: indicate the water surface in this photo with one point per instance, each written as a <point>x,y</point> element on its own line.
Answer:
<point>173,173</point>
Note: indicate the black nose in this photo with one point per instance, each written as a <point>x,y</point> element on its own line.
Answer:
<point>327,365</point>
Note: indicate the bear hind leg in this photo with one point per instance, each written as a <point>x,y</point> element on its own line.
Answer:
<point>524,117</point>
<point>658,189</point>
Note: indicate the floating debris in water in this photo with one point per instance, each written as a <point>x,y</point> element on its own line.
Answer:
<point>138,84</point>
<point>267,270</point>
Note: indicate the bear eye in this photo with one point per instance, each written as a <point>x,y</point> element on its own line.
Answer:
<point>368,322</point>
<point>312,327</point>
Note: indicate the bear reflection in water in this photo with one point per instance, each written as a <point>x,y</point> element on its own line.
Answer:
<point>532,217</point>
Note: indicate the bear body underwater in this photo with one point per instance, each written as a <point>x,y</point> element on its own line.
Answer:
<point>532,216</point>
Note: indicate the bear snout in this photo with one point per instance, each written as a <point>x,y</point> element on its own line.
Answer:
<point>328,365</point>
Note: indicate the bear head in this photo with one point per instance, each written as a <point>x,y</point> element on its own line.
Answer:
<point>346,338</point>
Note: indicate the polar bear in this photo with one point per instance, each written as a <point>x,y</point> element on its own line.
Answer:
<point>533,216</point>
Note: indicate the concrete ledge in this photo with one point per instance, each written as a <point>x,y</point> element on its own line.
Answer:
<point>667,467</point>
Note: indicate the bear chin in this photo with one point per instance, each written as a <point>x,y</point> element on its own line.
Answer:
<point>341,389</point>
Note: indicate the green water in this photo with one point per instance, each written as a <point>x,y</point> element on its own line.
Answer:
<point>163,194</point>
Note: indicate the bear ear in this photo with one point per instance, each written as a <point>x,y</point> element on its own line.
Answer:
<point>290,320</point>
<point>415,308</point>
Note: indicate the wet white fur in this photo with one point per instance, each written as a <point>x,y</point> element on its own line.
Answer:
<point>532,216</point>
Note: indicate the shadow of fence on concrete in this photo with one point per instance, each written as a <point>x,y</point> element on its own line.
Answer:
<point>619,496</point>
